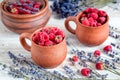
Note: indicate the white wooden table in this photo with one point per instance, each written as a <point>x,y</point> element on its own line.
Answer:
<point>9,41</point>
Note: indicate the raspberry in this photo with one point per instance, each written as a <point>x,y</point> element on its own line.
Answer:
<point>102,13</point>
<point>83,18</point>
<point>54,30</point>
<point>99,66</point>
<point>84,15</point>
<point>86,22</point>
<point>36,5</point>
<point>75,58</point>
<point>88,10</point>
<point>58,38</point>
<point>85,72</point>
<point>48,43</point>
<point>94,10</point>
<point>60,32</point>
<point>97,53</point>
<point>46,36</point>
<point>14,11</point>
<point>94,15</point>
<point>41,43</point>
<point>101,20</point>
<point>52,36</point>
<point>99,24</point>
<point>107,48</point>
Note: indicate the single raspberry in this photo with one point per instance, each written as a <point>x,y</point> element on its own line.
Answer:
<point>14,11</point>
<point>99,24</point>
<point>91,19</point>
<point>107,48</point>
<point>95,10</point>
<point>83,18</point>
<point>75,58</point>
<point>94,15</point>
<point>84,15</point>
<point>46,36</point>
<point>58,38</point>
<point>60,32</point>
<point>101,20</point>
<point>42,43</point>
<point>48,43</point>
<point>36,5</point>
<point>86,22</point>
<point>52,36</point>
<point>88,10</point>
<point>99,66</point>
<point>102,13</point>
<point>97,53</point>
<point>54,30</point>
<point>85,72</point>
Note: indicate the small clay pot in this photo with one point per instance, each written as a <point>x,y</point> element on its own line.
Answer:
<point>45,56</point>
<point>27,22</point>
<point>90,36</point>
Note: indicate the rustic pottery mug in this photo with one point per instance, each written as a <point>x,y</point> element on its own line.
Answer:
<point>90,36</point>
<point>20,23</point>
<point>45,56</point>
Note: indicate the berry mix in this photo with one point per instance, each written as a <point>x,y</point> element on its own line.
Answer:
<point>93,17</point>
<point>48,36</point>
<point>24,7</point>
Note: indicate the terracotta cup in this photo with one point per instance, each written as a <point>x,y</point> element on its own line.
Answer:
<point>90,36</point>
<point>27,22</point>
<point>45,56</point>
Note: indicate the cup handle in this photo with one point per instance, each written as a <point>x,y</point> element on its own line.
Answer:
<point>23,41</point>
<point>67,25</point>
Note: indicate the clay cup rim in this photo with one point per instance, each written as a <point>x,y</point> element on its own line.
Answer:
<point>53,46</point>
<point>91,27</point>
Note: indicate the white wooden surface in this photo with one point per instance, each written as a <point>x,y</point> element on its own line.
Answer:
<point>9,41</point>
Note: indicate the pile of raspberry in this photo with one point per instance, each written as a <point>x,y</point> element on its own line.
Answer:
<point>24,7</point>
<point>93,17</point>
<point>48,36</point>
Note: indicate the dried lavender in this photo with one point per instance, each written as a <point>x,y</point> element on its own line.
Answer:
<point>28,68</point>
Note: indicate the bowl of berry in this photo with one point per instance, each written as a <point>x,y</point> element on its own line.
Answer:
<point>92,27</point>
<point>48,46</point>
<point>24,15</point>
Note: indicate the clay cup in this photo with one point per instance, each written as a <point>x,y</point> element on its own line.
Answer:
<point>89,36</point>
<point>44,56</point>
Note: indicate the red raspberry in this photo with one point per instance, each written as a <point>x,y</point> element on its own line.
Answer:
<point>49,43</point>
<point>88,10</point>
<point>35,39</point>
<point>102,13</point>
<point>83,18</point>
<point>101,20</point>
<point>84,15</point>
<point>99,24</point>
<point>94,10</point>
<point>58,38</point>
<point>107,48</point>
<point>14,11</point>
<point>90,19</point>
<point>52,36</point>
<point>75,58</point>
<point>36,5</point>
<point>46,36</point>
<point>97,53</point>
<point>94,15</point>
<point>60,32</point>
<point>54,30</point>
<point>85,72</point>
<point>41,43</point>
<point>99,66</point>
<point>86,22</point>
